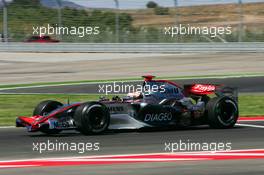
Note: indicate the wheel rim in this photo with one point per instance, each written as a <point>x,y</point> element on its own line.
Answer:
<point>226,111</point>
<point>97,118</point>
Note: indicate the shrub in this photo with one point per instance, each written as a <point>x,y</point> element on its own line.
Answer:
<point>161,11</point>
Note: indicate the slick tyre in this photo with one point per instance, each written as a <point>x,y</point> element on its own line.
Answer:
<point>92,118</point>
<point>222,112</point>
<point>45,108</point>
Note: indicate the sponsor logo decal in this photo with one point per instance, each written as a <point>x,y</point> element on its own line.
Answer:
<point>203,88</point>
<point>158,117</point>
<point>115,108</point>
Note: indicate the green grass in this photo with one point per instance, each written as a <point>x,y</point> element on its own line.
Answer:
<point>12,106</point>
<point>129,79</point>
<point>251,105</point>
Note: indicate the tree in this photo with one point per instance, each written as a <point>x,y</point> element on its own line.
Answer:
<point>152,4</point>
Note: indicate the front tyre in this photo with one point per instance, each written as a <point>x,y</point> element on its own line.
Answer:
<point>44,108</point>
<point>222,112</point>
<point>92,118</point>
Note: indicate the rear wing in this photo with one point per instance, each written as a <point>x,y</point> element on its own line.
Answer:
<point>207,89</point>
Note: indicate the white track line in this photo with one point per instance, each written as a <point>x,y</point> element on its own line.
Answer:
<point>110,81</point>
<point>17,166</point>
<point>248,125</point>
<point>5,127</point>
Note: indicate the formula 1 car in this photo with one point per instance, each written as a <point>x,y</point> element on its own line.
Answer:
<point>161,104</point>
<point>41,39</point>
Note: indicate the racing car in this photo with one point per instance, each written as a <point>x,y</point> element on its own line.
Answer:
<point>161,104</point>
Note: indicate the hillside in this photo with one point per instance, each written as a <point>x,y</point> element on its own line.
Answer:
<point>226,14</point>
<point>53,4</point>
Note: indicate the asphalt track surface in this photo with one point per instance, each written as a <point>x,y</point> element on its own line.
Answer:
<point>16,143</point>
<point>244,84</point>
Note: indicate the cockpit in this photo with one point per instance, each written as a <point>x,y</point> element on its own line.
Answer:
<point>156,91</point>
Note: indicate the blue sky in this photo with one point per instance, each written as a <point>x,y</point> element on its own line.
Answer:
<point>133,4</point>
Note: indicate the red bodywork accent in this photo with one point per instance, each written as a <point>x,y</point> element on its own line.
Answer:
<point>148,77</point>
<point>29,120</point>
<point>59,111</point>
<point>36,120</point>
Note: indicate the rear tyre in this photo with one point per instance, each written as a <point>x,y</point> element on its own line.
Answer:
<point>45,108</point>
<point>92,118</point>
<point>222,112</point>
